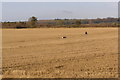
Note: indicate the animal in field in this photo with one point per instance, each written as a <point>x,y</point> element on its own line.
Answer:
<point>64,37</point>
<point>86,32</point>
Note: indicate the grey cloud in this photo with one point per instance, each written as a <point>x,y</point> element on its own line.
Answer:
<point>67,12</point>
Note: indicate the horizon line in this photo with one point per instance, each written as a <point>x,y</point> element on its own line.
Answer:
<point>61,19</point>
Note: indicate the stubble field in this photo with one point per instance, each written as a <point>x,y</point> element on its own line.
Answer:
<point>42,53</point>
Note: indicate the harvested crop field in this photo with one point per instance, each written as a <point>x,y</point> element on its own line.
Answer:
<point>43,53</point>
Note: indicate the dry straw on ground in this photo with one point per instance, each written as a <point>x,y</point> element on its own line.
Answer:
<point>42,53</point>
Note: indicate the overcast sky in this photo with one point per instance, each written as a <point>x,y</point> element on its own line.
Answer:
<point>20,11</point>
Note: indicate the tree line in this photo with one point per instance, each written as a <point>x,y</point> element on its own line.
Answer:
<point>33,22</point>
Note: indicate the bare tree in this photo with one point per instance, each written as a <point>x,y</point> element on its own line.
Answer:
<point>32,21</point>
